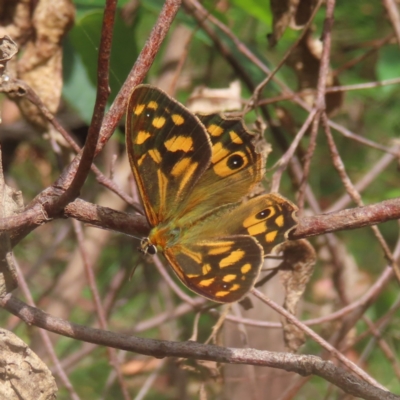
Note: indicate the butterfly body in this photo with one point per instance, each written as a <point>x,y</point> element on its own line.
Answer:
<point>193,173</point>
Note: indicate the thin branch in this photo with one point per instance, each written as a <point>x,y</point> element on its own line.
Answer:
<point>285,159</point>
<point>140,69</point>
<point>257,91</point>
<point>318,339</point>
<point>43,203</point>
<point>103,91</point>
<point>59,370</point>
<point>112,355</point>
<point>352,218</point>
<point>393,12</point>
<point>133,224</point>
<point>301,364</point>
<point>351,190</point>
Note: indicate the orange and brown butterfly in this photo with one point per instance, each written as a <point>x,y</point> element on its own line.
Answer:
<point>193,173</point>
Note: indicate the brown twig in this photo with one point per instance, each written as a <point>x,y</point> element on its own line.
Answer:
<point>20,88</point>
<point>300,364</point>
<point>320,99</point>
<point>307,161</point>
<point>318,339</point>
<point>46,339</point>
<point>257,91</point>
<point>112,355</point>
<point>103,91</point>
<point>365,181</point>
<point>351,190</point>
<point>352,218</point>
<point>377,44</point>
<point>131,224</point>
<point>44,202</point>
<point>394,16</point>
<point>139,70</point>
<point>285,159</point>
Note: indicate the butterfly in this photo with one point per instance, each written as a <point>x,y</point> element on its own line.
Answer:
<point>193,172</point>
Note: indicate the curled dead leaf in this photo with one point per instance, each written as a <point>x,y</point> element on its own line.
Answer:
<point>292,13</point>
<point>295,271</point>
<point>306,62</point>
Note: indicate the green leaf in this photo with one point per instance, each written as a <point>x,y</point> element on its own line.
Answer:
<point>257,9</point>
<point>387,66</point>
<point>78,90</point>
<point>84,41</point>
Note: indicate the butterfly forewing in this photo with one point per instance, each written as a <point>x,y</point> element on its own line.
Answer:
<point>168,150</point>
<point>234,156</point>
<point>234,170</point>
<point>220,269</point>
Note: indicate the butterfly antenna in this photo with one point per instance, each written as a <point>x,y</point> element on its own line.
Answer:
<point>272,271</point>
<point>267,277</point>
<point>112,230</point>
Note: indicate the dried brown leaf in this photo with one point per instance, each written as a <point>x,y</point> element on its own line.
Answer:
<point>23,374</point>
<point>295,271</point>
<point>292,13</point>
<point>39,39</point>
<point>10,204</point>
<point>303,13</point>
<point>306,62</point>
<point>207,101</point>
<point>134,367</point>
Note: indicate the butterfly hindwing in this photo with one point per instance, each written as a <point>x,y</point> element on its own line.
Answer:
<point>269,218</point>
<point>221,269</point>
<point>168,150</point>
